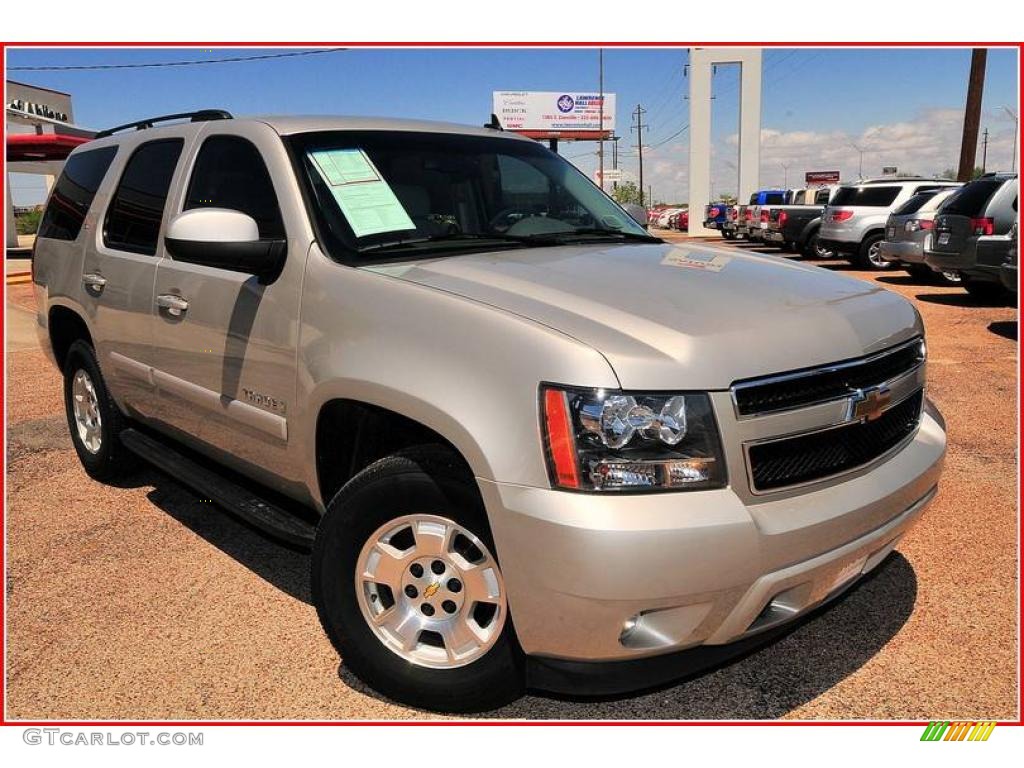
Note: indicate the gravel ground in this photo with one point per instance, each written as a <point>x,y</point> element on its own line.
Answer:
<point>142,601</point>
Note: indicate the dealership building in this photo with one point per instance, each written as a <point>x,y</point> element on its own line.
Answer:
<point>41,133</point>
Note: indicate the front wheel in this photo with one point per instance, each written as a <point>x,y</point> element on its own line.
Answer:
<point>870,255</point>
<point>408,588</point>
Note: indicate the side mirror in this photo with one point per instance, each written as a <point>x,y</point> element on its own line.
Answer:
<point>637,212</point>
<point>224,239</point>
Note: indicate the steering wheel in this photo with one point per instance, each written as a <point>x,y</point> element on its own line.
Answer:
<point>500,222</point>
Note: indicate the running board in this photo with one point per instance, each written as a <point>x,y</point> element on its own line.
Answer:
<point>231,497</point>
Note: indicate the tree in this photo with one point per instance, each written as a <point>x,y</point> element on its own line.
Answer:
<point>951,174</point>
<point>626,192</point>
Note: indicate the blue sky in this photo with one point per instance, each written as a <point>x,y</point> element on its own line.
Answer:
<point>904,104</point>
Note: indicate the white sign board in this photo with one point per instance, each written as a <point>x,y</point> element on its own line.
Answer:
<point>610,174</point>
<point>553,111</point>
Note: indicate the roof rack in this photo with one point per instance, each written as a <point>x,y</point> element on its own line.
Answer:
<point>199,116</point>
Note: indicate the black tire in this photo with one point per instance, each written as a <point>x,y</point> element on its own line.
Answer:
<point>111,459</point>
<point>985,291</point>
<point>812,249</point>
<point>729,235</point>
<point>867,258</point>
<point>425,479</point>
<point>922,273</point>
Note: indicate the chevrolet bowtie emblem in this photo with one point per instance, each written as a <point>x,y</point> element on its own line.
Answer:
<point>869,404</point>
<point>430,591</point>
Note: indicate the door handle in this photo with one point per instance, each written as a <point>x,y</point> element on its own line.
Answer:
<point>174,304</point>
<point>94,280</point>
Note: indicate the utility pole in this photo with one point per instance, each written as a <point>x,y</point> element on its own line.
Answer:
<point>1013,161</point>
<point>984,149</point>
<point>860,164</point>
<point>615,158</point>
<point>600,118</point>
<point>972,114</point>
<point>638,126</point>
<point>785,175</point>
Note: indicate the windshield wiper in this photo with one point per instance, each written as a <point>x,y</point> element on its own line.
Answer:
<point>587,233</point>
<point>454,237</point>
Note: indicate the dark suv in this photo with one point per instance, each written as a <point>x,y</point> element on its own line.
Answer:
<point>971,233</point>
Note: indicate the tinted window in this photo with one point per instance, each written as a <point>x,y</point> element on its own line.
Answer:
<point>74,192</point>
<point>753,199</point>
<point>774,198</point>
<point>230,173</point>
<point>972,198</point>
<point>821,197</point>
<point>135,212</point>
<point>914,204</point>
<point>869,197</point>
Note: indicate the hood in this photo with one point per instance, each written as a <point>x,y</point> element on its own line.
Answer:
<point>690,316</point>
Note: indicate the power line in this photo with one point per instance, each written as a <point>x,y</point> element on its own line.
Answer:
<point>191,63</point>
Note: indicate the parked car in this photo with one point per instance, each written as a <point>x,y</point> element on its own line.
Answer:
<point>417,373</point>
<point>1008,271</point>
<point>795,227</point>
<point>853,223</point>
<point>750,214</point>
<point>972,231</point>
<point>679,220</point>
<point>715,217</point>
<point>731,223</point>
<point>908,230</point>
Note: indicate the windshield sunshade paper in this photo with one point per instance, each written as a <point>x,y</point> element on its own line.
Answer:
<point>364,197</point>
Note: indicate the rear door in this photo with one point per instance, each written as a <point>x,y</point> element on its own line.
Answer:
<point>229,356</point>
<point>953,224</point>
<point>119,266</point>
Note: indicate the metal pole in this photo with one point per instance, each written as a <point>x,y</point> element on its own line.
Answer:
<point>972,114</point>
<point>639,126</point>
<point>1016,125</point>
<point>984,150</point>
<point>600,120</point>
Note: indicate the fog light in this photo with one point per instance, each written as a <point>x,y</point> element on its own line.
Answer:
<point>672,473</point>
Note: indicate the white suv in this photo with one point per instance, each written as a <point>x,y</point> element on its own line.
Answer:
<point>853,224</point>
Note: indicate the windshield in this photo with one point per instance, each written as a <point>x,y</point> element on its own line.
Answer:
<point>386,193</point>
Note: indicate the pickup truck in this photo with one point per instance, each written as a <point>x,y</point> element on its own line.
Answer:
<point>527,443</point>
<point>756,214</point>
<point>716,216</point>
<point>795,227</point>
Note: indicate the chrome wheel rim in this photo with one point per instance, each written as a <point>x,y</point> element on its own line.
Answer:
<point>820,251</point>
<point>952,276</point>
<point>875,256</point>
<point>86,407</point>
<point>431,591</point>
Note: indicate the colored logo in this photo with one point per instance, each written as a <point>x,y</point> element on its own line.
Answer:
<point>430,591</point>
<point>565,103</point>
<point>869,404</point>
<point>946,731</point>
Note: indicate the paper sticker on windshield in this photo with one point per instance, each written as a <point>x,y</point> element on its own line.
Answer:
<point>369,204</point>
<point>707,262</point>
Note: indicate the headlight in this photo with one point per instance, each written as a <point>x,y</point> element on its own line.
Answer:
<point>607,440</point>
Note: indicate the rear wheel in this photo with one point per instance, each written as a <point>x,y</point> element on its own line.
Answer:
<point>870,254</point>
<point>94,420</point>
<point>813,249</point>
<point>921,272</point>
<point>408,588</point>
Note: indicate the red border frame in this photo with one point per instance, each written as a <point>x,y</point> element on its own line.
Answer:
<point>497,44</point>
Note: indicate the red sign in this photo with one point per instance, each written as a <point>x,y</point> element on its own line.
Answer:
<point>821,178</point>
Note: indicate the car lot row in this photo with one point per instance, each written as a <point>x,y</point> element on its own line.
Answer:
<point>937,230</point>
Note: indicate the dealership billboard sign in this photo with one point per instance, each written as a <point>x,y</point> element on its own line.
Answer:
<point>821,178</point>
<point>555,114</point>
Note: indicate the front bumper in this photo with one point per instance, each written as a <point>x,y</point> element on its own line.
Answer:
<point>700,569</point>
<point>903,251</point>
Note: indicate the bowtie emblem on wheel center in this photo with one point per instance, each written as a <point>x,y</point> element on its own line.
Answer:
<point>869,404</point>
<point>430,591</point>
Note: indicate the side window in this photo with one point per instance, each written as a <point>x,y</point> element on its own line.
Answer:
<point>821,197</point>
<point>82,175</point>
<point>230,173</point>
<point>135,211</point>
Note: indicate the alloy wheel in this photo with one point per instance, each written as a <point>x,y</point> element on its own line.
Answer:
<point>86,405</point>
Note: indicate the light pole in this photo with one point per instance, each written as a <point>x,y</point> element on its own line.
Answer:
<point>1016,125</point>
<point>785,175</point>
<point>860,164</point>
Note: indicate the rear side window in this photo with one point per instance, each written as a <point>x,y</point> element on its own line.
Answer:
<point>72,195</point>
<point>972,198</point>
<point>914,204</point>
<point>821,197</point>
<point>868,197</point>
<point>135,212</point>
<point>230,173</point>
<point>775,198</point>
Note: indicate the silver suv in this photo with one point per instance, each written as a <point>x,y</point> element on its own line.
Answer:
<point>853,223</point>
<point>528,443</point>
